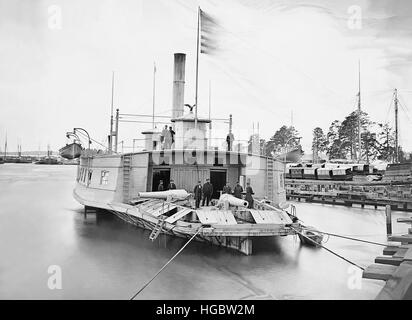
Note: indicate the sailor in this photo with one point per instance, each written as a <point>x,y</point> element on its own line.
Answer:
<point>168,138</point>
<point>207,192</point>
<point>229,140</point>
<point>172,134</point>
<point>163,136</point>
<point>237,191</point>
<point>249,198</point>
<point>160,187</point>
<point>198,193</point>
<point>171,185</point>
<point>227,189</point>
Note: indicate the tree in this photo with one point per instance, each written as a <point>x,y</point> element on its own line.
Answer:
<point>319,142</point>
<point>370,146</point>
<point>386,138</point>
<point>348,132</point>
<point>334,149</point>
<point>281,139</point>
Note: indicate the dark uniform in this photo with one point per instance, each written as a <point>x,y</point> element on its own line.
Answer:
<point>227,189</point>
<point>237,191</point>
<point>160,187</point>
<point>171,186</point>
<point>207,193</point>
<point>198,194</point>
<point>229,141</point>
<point>249,198</point>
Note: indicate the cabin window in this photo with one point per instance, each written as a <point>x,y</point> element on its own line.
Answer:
<point>89,178</point>
<point>104,177</point>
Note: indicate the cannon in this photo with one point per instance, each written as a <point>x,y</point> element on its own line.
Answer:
<point>169,194</point>
<point>233,200</point>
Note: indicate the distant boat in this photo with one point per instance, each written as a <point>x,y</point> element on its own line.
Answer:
<point>294,155</point>
<point>49,159</point>
<point>71,151</point>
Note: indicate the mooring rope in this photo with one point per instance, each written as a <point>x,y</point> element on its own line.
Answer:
<point>167,263</point>
<point>349,238</point>
<point>334,253</point>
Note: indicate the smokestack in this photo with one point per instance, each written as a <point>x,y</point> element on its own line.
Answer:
<point>179,85</point>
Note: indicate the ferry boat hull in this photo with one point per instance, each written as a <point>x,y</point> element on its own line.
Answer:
<point>113,183</point>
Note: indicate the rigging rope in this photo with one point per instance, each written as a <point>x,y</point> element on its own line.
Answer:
<point>349,238</point>
<point>167,263</point>
<point>334,253</point>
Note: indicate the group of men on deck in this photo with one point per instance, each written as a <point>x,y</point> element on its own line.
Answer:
<point>171,186</point>
<point>205,192</point>
<point>167,138</point>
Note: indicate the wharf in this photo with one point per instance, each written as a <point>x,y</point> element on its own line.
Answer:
<point>348,193</point>
<point>394,267</point>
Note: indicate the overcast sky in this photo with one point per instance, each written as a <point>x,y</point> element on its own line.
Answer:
<point>275,57</point>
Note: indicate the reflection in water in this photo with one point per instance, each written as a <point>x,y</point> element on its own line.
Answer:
<point>103,257</point>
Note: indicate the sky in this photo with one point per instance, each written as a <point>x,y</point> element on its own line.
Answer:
<point>278,63</point>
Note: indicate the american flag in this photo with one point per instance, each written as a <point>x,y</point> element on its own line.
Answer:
<point>209,29</point>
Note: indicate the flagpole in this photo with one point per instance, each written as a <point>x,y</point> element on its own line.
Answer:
<point>197,64</point>
<point>154,94</point>
<point>111,118</point>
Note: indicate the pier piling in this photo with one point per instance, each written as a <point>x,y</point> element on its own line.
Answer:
<point>388,212</point>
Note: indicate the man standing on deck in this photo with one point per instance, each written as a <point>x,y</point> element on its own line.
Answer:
<point>171,185</point>
<point>160,187</point>
<point>237,191</point>
<point>229,140</point>
<point>227,189</point>
<point>198,193</point>
<point>172,135</point>
<point>207,192</point>
<point>163,137</point>
<point>249,198</point>
<point>168,138</point>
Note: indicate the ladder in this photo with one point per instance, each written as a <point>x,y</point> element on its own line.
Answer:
<point>127,162</point>
<point>269,179</point>
<point>157,229</point>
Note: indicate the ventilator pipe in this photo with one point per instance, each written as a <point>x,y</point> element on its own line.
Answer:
<point>169,194</point>
<point>233,200</point>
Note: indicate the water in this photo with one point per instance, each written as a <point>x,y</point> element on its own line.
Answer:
<point>104,258</point>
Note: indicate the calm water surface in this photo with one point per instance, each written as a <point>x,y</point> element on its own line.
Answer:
<point>102,257</point>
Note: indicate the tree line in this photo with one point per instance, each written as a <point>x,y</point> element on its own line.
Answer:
<point>339,142</point>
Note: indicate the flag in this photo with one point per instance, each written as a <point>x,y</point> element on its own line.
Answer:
<point>208,33</point>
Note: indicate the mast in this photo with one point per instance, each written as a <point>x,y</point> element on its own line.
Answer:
<point>111,118</point>
<point>154,94</point>
<point>359,118</point>
<point>5,148</point>
<point>396,127</point>
<point>117,131</point>
<point>197,63</point>
<point>210,111</point>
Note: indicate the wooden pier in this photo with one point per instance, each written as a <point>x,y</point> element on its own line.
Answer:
<point>394,267</point>
<point>350,193</point>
